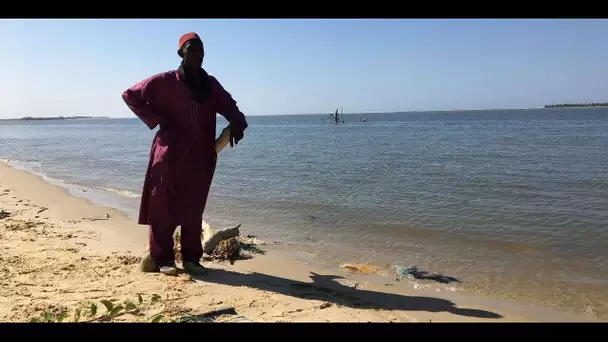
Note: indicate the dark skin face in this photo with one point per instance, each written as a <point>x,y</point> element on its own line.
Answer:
<point>192,54</point>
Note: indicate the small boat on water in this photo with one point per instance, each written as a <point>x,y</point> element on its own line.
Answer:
<point>338,117</point>
<point>335,117</point>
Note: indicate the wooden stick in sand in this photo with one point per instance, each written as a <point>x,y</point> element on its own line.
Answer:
<point>223,139</point>
<point>211,237</point>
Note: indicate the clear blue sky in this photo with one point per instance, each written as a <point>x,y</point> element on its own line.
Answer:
<point>81,67</point>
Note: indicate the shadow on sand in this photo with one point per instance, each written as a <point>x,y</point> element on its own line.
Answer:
<point>325,288</point>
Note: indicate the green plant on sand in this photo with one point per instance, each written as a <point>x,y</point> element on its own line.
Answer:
<point>91,314</point>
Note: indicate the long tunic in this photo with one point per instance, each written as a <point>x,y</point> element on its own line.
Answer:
<point>182,156</point>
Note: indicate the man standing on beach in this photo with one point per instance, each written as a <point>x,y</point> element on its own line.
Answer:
<point>184,103</point>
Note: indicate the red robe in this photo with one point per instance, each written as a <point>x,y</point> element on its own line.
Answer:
<point>182,157</point>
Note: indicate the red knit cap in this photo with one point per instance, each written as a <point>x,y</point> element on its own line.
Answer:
<point>186,37</point>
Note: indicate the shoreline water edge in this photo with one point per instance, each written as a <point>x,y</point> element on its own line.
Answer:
<point>284,284</point>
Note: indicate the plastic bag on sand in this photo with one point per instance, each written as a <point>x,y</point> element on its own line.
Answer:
<point>405,272</point>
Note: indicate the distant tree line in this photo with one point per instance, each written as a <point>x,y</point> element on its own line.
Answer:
<point>56,117</point>
<point>577,105</point>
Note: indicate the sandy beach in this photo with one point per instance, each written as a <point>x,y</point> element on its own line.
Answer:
<point>61,253</point>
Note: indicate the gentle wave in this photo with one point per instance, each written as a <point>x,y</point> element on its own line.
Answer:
<point>125,193</point>
<point>36,168</point>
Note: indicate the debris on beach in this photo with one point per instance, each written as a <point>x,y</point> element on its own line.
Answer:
<point>229,249</point>
<point>211,237</point>
<point>226,244</point>
<point>15,225</point>
<point>220,245</point>
<point>97,218</point>
<point>228,314</point>
<point>405,272</point>
<point>233,249</point>
<point>4,214</point>
<point>413,273</point>
<point>249,243</point>
<point>360,268</point>
<point>325,305</point>
<point>252,240</point>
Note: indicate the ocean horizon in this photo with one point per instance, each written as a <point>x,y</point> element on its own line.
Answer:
<point>400,112</point>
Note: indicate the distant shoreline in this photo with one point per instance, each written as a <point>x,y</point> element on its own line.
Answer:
<point>549,106</point>
<point>576,105</point>
<point>32,118</point>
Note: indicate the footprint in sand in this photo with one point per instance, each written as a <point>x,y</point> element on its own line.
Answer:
<point>70,267</point>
